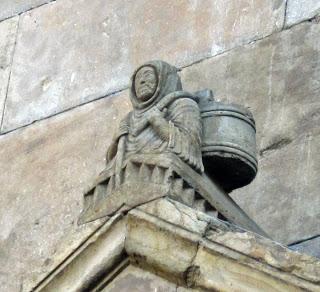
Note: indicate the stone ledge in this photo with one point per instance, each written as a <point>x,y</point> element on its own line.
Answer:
<point>186,257</point>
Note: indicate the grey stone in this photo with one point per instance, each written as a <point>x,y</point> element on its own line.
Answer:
<point>8,31</point>
<point>279,79</point>
<point>47,168</point>
<point>71,52</point>
<point>300,10</point>
<point>311,247</point>
<point>9,8</point>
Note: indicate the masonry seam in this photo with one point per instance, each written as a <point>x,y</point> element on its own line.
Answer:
<point>2,133</point>
<point>285,15</point>
<point>180,69</point>
<point>304,240</point>
<point>10,72</point>
<point>29,9</point>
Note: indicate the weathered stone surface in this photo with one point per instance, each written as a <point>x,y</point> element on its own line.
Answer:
<point>137,280</point>
<point>220,260</point>
<point>8,30</point>
<point>300,10</point>
<point>100,255</point>
<point>311,247</point>
<point>179,214</point>
<point>149,245</point>
<point>9,8</point>
<point>45,169</point>
<point>268,251</point>
<point>279,79</point>
<point>71,52</point>
<point>226,274</point>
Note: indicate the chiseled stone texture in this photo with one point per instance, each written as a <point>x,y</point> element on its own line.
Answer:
<point>73,51</point>
<point>279,79</point>
<point>300,10</point>
<point>45,169</point>
<point>311,247</point>
<point>9,8</point>
<point>8,30</point>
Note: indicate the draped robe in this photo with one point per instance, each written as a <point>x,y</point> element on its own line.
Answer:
<point>181,119</point>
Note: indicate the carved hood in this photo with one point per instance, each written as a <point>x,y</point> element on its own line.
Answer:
<point>168,81</point>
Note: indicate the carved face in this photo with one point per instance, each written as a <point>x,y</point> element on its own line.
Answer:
<point>145,83</point>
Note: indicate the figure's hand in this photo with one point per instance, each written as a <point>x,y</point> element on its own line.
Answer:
<point>122,130</point>
<point>154,115</point>
<point>157,120</point>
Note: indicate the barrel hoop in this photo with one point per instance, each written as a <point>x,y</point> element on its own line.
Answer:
<point>232,110</point>
<point>229,114</point>
<point>231,150</point>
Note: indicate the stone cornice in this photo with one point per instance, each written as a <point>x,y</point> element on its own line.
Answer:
<point>186,247</point>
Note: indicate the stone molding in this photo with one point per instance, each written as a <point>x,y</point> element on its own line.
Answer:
<point>186,247</point>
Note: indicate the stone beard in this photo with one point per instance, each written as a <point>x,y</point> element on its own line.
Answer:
<point>164,119</point>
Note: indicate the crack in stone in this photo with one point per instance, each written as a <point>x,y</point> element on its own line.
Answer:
<point>304,240</point>
<point>285,14</point>
<point>10,72</point>
<point>181,211</point>
<point>276,145</point>
<point>193,271</point>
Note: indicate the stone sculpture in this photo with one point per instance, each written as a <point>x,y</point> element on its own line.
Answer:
<point>177,144</point>
<point>164,118</point>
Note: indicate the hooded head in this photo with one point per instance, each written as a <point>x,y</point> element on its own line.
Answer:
<point>151,82</point>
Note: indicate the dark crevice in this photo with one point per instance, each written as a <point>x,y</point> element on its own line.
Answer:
<point>285,14</point>
<point>276,145</point>
<point>314,19</point>
<point>304,240</point>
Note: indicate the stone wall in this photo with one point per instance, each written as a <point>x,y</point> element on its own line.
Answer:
<point>64,70</point>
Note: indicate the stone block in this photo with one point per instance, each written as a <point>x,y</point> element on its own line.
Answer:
<point>72,52</point>
<point>300,10</point>
<point>8,31</point>
<point>9,8</point>
<point>45,169</point>
<point>278,78</point>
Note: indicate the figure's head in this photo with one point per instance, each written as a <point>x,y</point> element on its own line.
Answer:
<point>145,82</point>
<point>151,82</point>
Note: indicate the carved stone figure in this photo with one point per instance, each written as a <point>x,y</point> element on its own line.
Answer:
<point>179,145</point>
<point>164,118</point>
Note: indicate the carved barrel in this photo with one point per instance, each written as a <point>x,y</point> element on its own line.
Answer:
<point>229,144</point>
